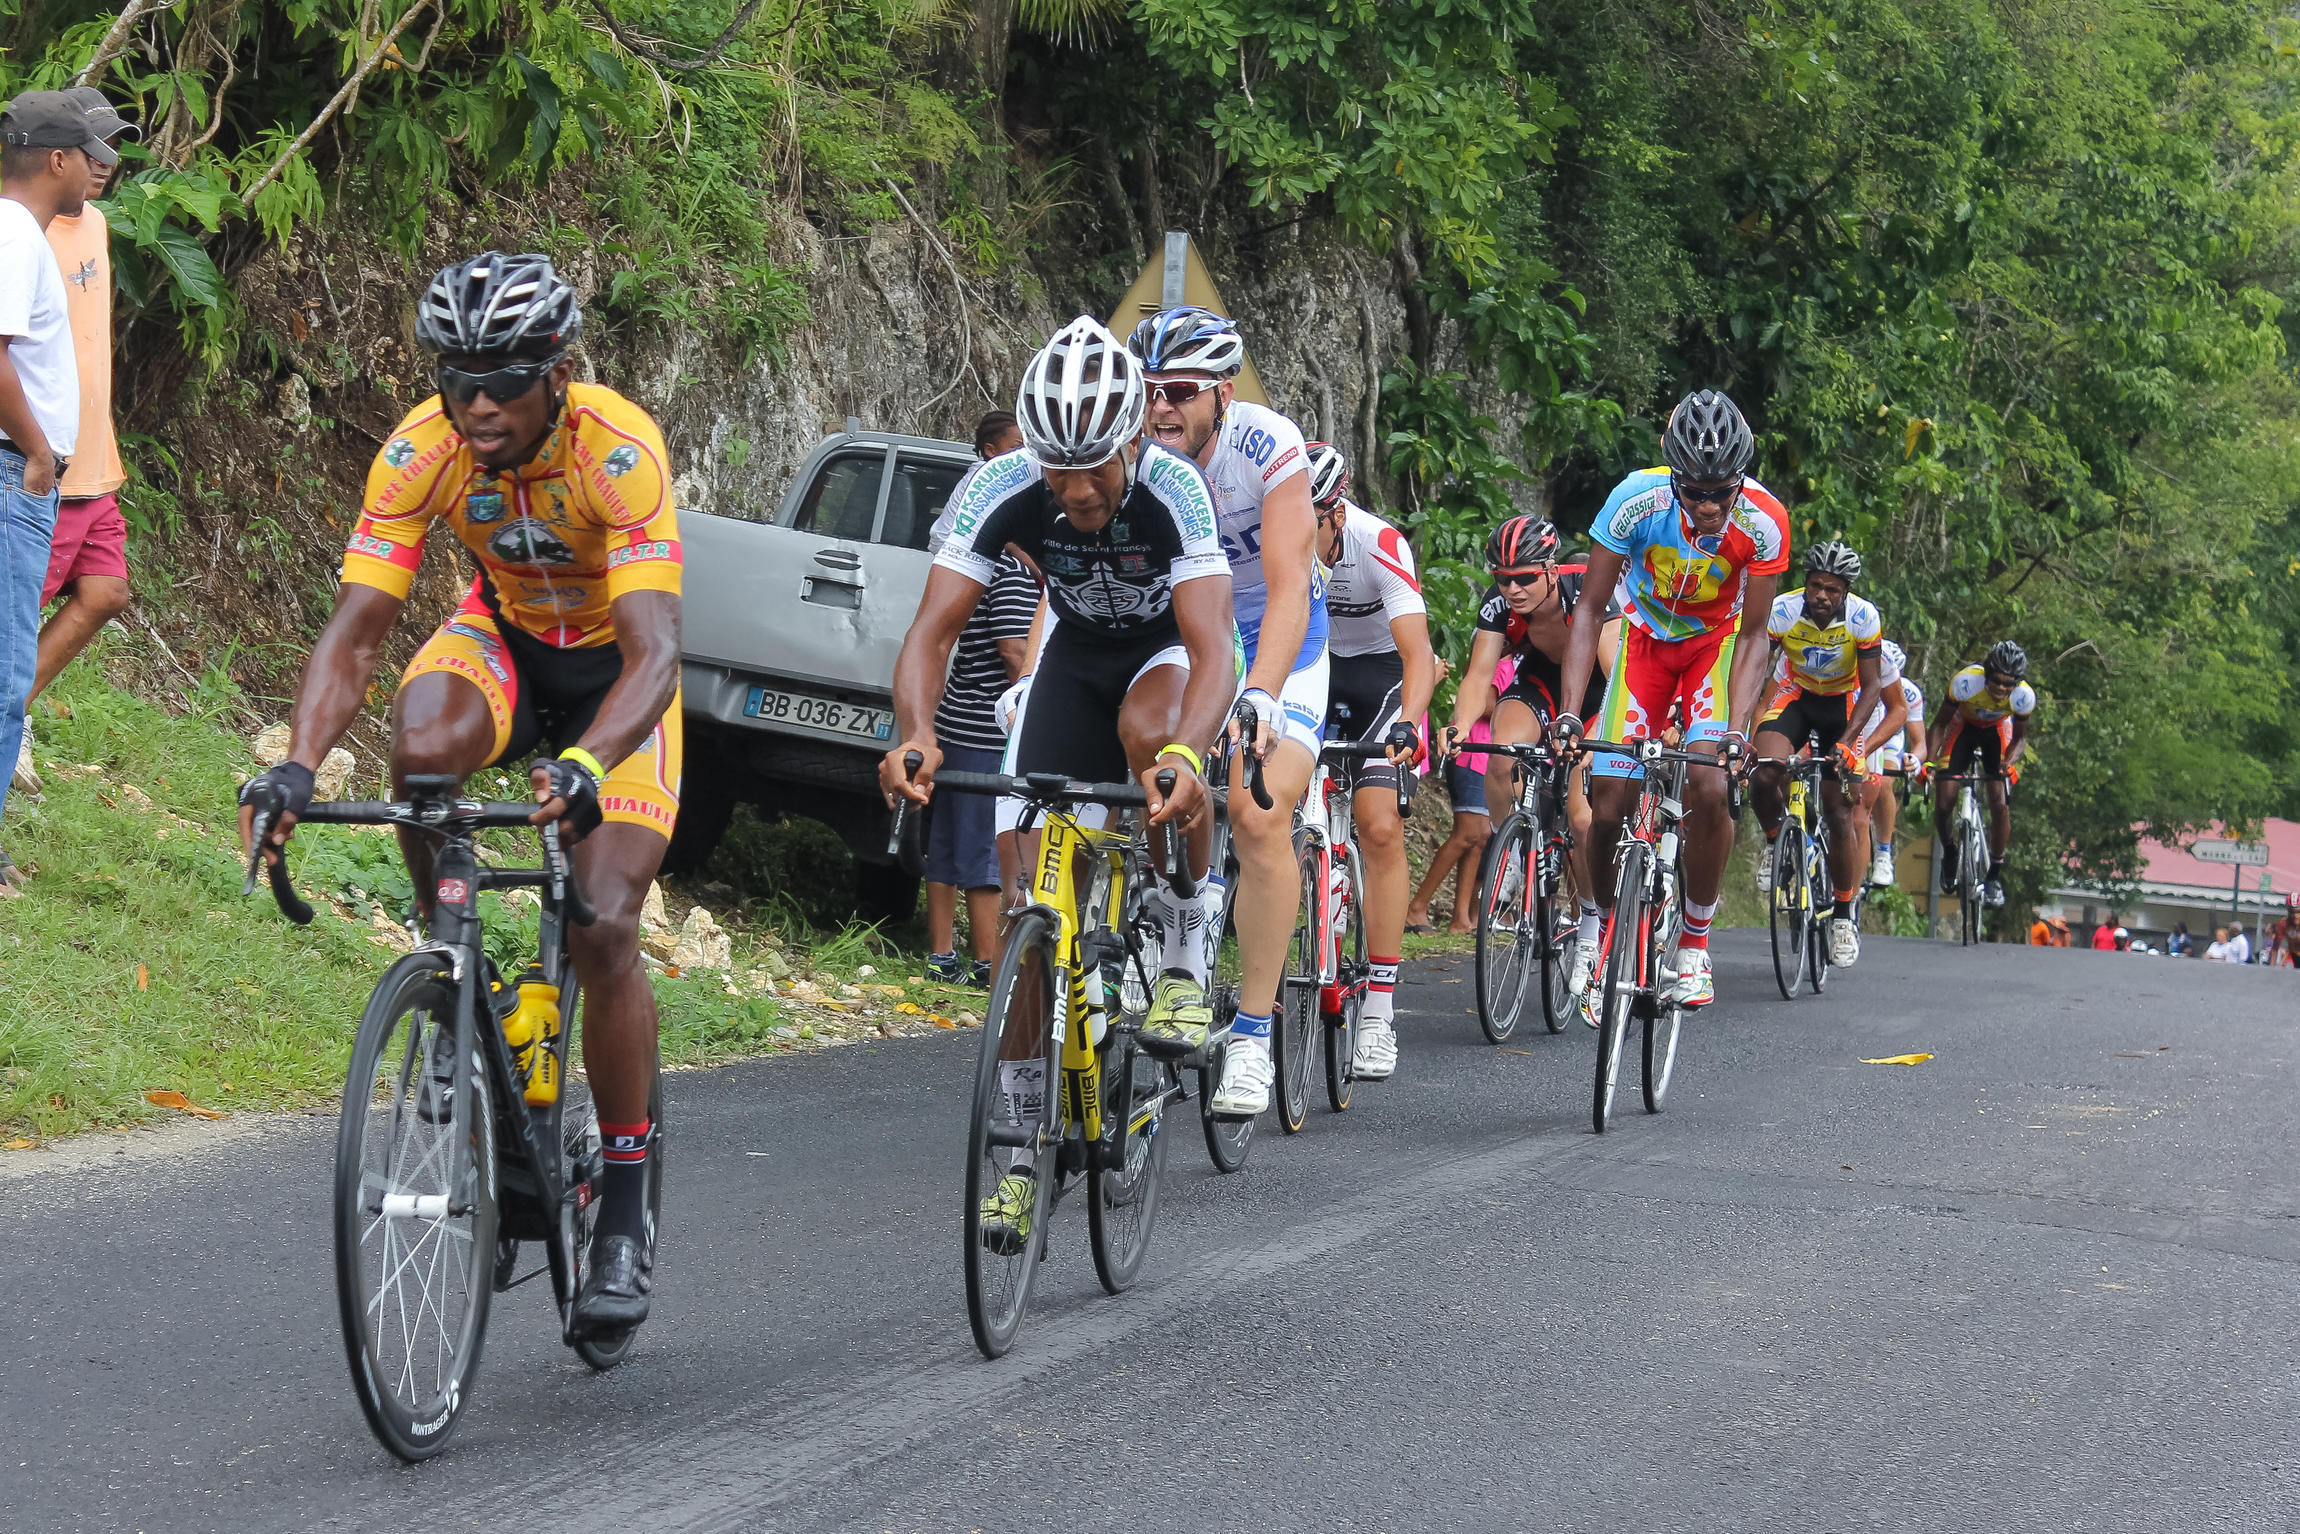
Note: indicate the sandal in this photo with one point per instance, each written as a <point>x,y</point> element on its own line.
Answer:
<point>12,878</point>
<point>1420,927</point>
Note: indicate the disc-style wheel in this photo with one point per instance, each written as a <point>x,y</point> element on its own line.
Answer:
<point>1785,908</point>
<point>1507,937</point>
<point>1342,1030</point>
<point>1014,1136</point>
<point>1294,1040</point>
<point>1122,1201</point>
<point>415,1210</point>
<point>1620,979</point>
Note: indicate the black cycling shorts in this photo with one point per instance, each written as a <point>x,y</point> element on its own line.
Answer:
<point>1363,696</point>
<point>1803,715</point>
<point>1069,721</point>
<point>1971,747</point>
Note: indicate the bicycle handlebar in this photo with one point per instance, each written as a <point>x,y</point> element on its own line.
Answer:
<point>1366,751</point>
<point>460,815</point>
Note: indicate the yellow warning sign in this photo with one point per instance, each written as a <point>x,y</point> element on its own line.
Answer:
<point>1177,276</point>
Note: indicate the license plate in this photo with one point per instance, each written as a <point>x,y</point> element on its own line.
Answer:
<point>819,714</point>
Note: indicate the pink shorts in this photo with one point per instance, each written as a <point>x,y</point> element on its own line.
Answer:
<point>91,539</point>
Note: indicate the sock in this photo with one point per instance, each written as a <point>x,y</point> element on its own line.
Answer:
<point>1247,1025</point>
<point>1024,1083</point>
<point>1697,920</point>
<point>1592,925</point>
<point>1209,922</point>
<point>1997,869</point>
<point>623,1187</point>
<point>1182,925</point>
<point>1380,988</point>
<point>1845,904</point>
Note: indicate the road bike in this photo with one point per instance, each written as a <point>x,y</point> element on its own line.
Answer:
<point>1641,933</point>
<point>1803,895</point>
<point>453,1147</point>
<point>1523,930</point>
<point>1969,833</point>
<point>1063,1092</point>
<point>1228,1136</point>
<point>1323,992</point>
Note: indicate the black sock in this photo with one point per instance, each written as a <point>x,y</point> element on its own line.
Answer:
<point>1997,869</point>
<point>623,1186</point>
<point>1844,910</point>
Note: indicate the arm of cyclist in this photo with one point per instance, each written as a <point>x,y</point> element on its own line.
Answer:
<point>647,632</point>
<point>334,686</point>
<point>1854,748</point>
<point>1202,612</point>
<point>1289,531</point>
<point>2018,748</point>
<point>1411,633</point>
<point>1896,718</point>
<point>919,673</point>
<point>1474,698</point>
<point>1581,643</point>
<point>1752,659</point>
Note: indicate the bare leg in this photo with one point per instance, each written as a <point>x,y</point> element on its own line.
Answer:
<point>439,724</point>
<point>982,917</point>
<point>616,863</point>
<point>941,917</point>
<point>89,603</point>
<point>1382,839</point>
<point>1269,881</point>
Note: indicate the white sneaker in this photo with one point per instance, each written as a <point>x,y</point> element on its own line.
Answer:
<point>1376,1057</point>
<point>1584,968</point>
<point>1844,942</point>
<point>1247,1075</point>
<point>1881,868</point>
<point>1765,869</point>
<point>27,779</point>
<point>1694,987</point>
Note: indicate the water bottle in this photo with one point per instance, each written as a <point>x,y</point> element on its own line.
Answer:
<point>531,1030</point>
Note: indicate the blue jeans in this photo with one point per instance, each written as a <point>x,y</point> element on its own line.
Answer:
<point>27,526</point>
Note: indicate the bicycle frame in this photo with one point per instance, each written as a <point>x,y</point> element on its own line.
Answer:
<point>1651,822</point>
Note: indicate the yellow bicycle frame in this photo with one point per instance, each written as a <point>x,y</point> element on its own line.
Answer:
<point>1065,847</point>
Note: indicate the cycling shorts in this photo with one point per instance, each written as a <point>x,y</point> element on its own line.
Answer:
<point>1068,720</point>
<point>1650,675</point>
<point>1803,716</point>
<point>1969,746</point>
<point>1303,701</point>
<point>1367,693</point>
<point>537,692</point>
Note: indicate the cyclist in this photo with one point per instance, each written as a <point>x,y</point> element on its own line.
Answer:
<point>1904,747</point>
<point>1257,463</point>
<point>1828,645</point>
<point>1702,545</point>
<point>1136,673</point>
<point>1982,726</point>
<point>1383,672</point>
<point>1527,618</point>
<point>570,633</point>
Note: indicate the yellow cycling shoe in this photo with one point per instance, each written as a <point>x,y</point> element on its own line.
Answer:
<point>1006,1213</point>
<point>1179,1016</point>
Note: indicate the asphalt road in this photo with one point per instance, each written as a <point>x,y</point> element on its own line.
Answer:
<point>2045,1281</point>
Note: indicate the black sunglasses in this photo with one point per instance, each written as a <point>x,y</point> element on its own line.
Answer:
<point>1705,495</point>
<point>1518,577</point>
<point>2002,683</point>
<point>1179,391</point>
<point>503,385</point>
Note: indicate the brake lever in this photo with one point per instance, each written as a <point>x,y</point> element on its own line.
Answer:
<point>274,865</point>
<point>563,886</point>
<point>912,761</point>
<point>1249,732</point>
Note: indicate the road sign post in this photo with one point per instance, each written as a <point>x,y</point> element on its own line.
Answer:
<point>2242,855</point>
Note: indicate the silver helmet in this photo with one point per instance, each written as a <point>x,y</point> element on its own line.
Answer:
<point>1081,399</point>
<point>495,305</point>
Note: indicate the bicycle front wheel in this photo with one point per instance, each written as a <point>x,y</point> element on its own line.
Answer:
<point>1624,950</point>
<point>1342,1028</point>
<point>1227,1139</point>
<point>1970,876</point>
<point>415,1209</point>
<point>1122,1200</point>
<point>1294,1046</point>
<point>1821,905</point>
<point>1014,1136</point>
<point>1785,912</point>
<point>1505,942</point>
<point>1661,1024</point>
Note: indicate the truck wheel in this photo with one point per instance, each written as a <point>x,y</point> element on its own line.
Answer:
<point>706,803</point>
<point>885,893</point>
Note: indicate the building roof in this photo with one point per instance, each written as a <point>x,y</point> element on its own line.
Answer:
<point>2163,864</point>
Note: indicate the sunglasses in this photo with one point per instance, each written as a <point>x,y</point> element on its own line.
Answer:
<point>1705,495</point>
<point>2001,683</point>
<point>1519,577</point>
<point>1178,391</point>
<point>503,385</point>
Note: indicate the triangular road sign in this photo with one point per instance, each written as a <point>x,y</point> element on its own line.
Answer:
<point>1179,277</point>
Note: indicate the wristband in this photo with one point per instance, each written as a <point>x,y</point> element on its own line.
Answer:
<point>1176,748</point>
<point>585,760</point>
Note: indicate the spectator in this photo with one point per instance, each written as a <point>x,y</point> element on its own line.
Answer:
<point>2039,935</point>
<point>2123,939</point>
<point>88,558</point>
<point>2104,936</point>
<point>52,150</point>
<point>2059,928</point>
<point>962,832</point>
<point>2179,944</point>
<point>2218,952</point>
<point>2283,950</point>
<point>2239,946</point>
<point>1462,850</point>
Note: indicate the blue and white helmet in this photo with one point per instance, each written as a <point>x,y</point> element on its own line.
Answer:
<point>1189,340</point>
<point>1082,398</point>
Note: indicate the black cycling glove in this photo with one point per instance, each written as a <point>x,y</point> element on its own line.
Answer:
<point>572,781</point>
<point>277,791</point>
<point>1403,737</point>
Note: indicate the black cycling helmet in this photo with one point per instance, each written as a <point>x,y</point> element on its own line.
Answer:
<point>1189,339</point>
<point>1707,438</point>
<point>495,305</point>
<point>2007,659</point>
<point>1833,558</point>
<point>1520,542</point>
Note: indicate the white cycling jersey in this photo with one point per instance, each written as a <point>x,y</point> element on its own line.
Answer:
<point>1256,450</point>
<point>1889,755</point>
<point>1370,585</point>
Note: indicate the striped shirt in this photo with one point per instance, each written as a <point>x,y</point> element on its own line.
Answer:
<point>977,671</point>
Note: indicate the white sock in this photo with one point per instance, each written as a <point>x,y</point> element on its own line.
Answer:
<point>1592,926</point>
<point>1209,926</point>
<point>1024,1082</point>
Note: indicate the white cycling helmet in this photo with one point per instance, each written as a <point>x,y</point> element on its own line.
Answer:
<point>1329,473</point>
<point>1189,339</point>
<point>1896,659</point>
<point>1081,398</point>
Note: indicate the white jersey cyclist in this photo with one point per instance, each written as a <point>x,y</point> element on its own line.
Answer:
<point>1889,756</point>
<point>1256,450</point>
<point>1370,585</point>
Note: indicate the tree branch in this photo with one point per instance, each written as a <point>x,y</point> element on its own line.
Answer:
<point>349,92</point>
<point>710,55</point>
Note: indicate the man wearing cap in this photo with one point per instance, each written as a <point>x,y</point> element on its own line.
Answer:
<point>88,557</point>
<point>53,149</point>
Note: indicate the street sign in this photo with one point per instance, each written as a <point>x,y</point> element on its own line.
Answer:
<point>2214,850</point>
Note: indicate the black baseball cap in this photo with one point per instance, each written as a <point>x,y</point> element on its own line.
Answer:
<point>79,118</point>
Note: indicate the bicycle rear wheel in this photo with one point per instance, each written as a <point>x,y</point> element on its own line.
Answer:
<point>1505,942</point>
<point>1785,909</point>
<point>1622,956</point>
<point>1342,1029</point>
<point>415,1209</point>
<point>1122,1201</point>
<point>1556,957</point>
<point>1227,1139</point>
<point>1015,1133</point>
<point>1297,1026</point>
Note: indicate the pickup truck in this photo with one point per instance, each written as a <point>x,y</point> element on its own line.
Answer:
<point>793,619</point>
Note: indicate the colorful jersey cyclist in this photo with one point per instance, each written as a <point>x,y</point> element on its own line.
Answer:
<point>1818,675</point>
<point>1982,728</point>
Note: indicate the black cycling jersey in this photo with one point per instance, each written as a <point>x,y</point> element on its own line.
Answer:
<point>1116,584</point>
<point>1539,679</point>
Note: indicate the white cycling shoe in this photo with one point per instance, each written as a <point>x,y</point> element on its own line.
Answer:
<point>1376,1057</point>
<point>1881,868</point>
<point>1765,869</point>
<point>1844,942</point>
<point>1247,1076</point>
<point>1694,987</point>
<point>1579,981</point>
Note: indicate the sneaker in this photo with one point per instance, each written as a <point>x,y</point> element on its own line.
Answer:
<point>1844,942</point>
<point>979,975</point>
<point>1179,1016</point>
<point>1993,892</point>
<point>1246,1077</point>
<point>1584,968</point>
<point>619,1289</point>
<point>1006,1213</point>
<point>1694,988</point>
<point>1881,868</point>
<point>1592,997</point>
<point>27,779</point>
<point>1376,1057</point>
<point>1765,869</point>
<point>946,968</point>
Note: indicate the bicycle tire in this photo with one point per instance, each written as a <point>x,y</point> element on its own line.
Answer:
<point>1821,904</point>
<point>1554,963</point>
<point>1122,1205</point>
<point>1022,995</point>
<point>1353,969</point>
<point>1783,913</point>
<point>1667,1018</point>
<point>1295,1029</point>
<point>1621,963</point>
<point>1971,876</point>
<point>421,1160</point>
<point>1227,1139</point>
<point>1500,966</point>
<point>605,1350</point>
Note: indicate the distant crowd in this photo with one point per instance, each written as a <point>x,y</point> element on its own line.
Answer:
<point>2279,947</point>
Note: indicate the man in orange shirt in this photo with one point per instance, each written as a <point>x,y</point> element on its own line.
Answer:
<point>88,558</point>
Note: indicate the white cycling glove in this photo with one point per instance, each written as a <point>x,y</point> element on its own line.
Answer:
<point>1269,718</point>
<point>1009,704</point>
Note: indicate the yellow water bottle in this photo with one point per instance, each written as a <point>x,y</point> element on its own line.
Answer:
<point>531,1030</point>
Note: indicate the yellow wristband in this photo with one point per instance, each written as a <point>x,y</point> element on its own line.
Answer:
<point>584,758</point>
<point>1176,748</point>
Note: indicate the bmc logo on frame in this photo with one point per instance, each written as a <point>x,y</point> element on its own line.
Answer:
<point>453,891</point>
